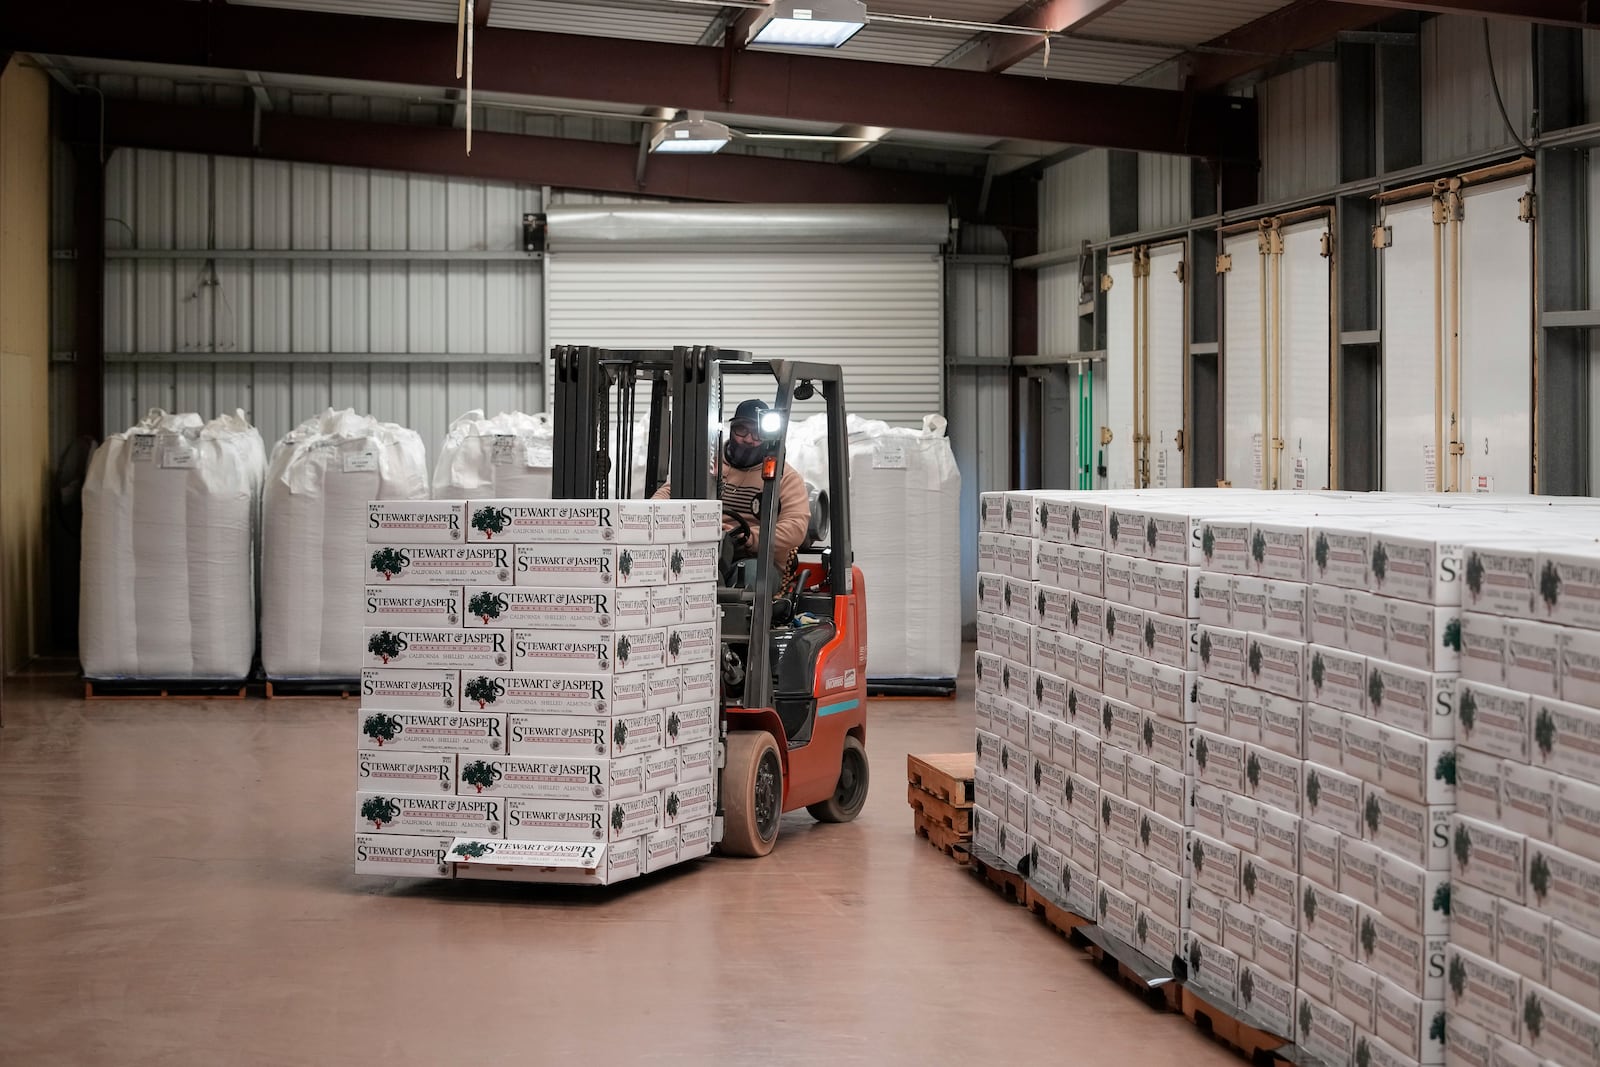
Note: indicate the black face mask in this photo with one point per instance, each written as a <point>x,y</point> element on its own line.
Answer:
<point>741,456</point>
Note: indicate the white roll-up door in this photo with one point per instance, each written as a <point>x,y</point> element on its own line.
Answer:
<point>1120,356</point>
<point>1165,364</point>
<point>629,280</point>
<point>1473,270</point>
<point>1303,394</point>
<point>1243,412</point>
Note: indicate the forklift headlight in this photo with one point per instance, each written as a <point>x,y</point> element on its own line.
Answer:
<point>771,425</point>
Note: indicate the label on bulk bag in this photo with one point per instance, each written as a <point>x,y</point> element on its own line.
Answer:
<point>507,451</point>
<point>180,456</point>
<point>144,448</point>
<point>889,455</point>
<point>360,462</point>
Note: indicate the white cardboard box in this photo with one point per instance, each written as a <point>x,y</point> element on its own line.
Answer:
<point>1363,748</point>
<point>689,723</point>
<point>592,652</point>
<point>1289,610</point>
<point>1283,726</point>
<point>398,856</point>
<point>535,778</point>
<point>1528,800</point>
<point>1169,793</point>
<point>1409,699</point>
<point>1319,854</point>
<point>1333,799</point>
<point>1368,631</point>
<point>688,803</point>
<point>1468,1044</point>
<point>1360,866</point>
<point>1533,658</point>
<point>1249,596</point>
<point>428,816</point>
<point>1413,1026</point>
<point>1277,947</point>
<point>1214,592</point>
<point>1416,833</point>
<point>1566,739</point>
<point>1489,857</point>
<point>1337,679</point>
<point>1118,913</point>
<point>1225,545</point>
<point>1242,823</point>
<point>1423,565</point>
<point>1280,837</point>
<point>1223,654</point>
<point>623,522</point>
<point>407,563</point>
<point>1355,992</point>
<point>1485,993</point>
<point>1212,967</point>
<point>695,839</point>
<point>1325,1033</point>
<point>1484,647</point>
<point>549,694</point>
<point>562,736</point>
<point>1580,666</point>
<point>692,563</point>
<point>1565,886</point>
<point>1205,914</point>
<point>416,522</point>
<point>1478,784</point>
<point>1239,930</point>
<point>555,820</point>
<point>1414,896</point>
<point>1575,965</point>
<point>691,642</point>
<point>1213,701</point>
<point>1577,818</point>
<point>398,771</point>
<point>1324,737</point>
<point>410,690</point>
<point>1244,714</point>
<point>1474,916</point>
<point>1424,636</point>
<point>1331,918</point>
<point>1416,962</point>
<point>1418,768</point>
<point>1273,778</point>
<point>1329,616</point>
<point>1494,720</point>
<point>1156,938</point>
<point>529,608</point>
<point>426,731</point>
<point>410,606</point>
<point>1277,665</point>
<point>576,566</point>
<point>1272,890</point>
<point>660,850</point>
<point>1169,896</point>
<point>1266,997</point>
<point>1569,587</point>
<point>441,650</point>
<point>1215,866</point>
<point>1522,941</point>
<point>1565,1033</point>
<point>635,816</point>
<point>1208,810</point>
<point>1219,761</point>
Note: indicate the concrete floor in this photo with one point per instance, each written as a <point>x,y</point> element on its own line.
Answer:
<point>175,889</point>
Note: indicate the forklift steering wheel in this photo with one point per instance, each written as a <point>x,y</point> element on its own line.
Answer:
<point>741,532</point>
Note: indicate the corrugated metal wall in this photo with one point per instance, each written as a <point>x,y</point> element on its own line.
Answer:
<point>1163,191</point>
<point>978,399</point>
<point>417,339</point>
<point>1074,202</point>
<point>1299,132</point>
<point>1459,113</point>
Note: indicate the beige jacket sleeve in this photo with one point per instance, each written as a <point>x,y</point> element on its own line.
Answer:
<point>794,513</point>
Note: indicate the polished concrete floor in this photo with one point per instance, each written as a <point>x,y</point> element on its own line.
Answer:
<point>175,889</point>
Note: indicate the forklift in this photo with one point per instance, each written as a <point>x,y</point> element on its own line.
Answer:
<point>793,715</point>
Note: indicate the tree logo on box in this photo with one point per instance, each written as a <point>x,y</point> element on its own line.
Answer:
<point>1005,758</point>
<point>1008,513</point>
<point>1380,563</point>
<point>1319,671</point>
<point>484,690</point>
<point>1205,649</point>
<point>676,563</point>
<point>1452,635</point>
<point>1105,812</point>
<point>1076,522</point>
<point>381,727</point>
<point>1066,879</point>
<point>1144,830</point>
<point>1258,549</point>
<point>1441,898</point>
<point>1308,906</point>
<point>1436,1029</point>
<point>1374,814</point>
<point>1249,879</point>
<point>1105,903</point>
<point>1544,732</point>
<point>1066,792</point>
<point>380,811</point>
<point>624,650</point>
<point>1107,717</point>
<point>1149,635</point>
<point>1533,1015</point>
<point>625,564</point>
<point>1111,622</point>
<point>1142,928</point>
<point>472,850</point>
<point>1150,535</point>
<point>1550,586</point>
<point>1474,575</point>
<point>386,645</point>
<point>1038,689</point>
<point>1363,1053</point>
<point>480,775</point>
<point>1539,876</point>
<point>1463,846</point>
<point>617,818</point>
<point>1321,553</point>
<point>1038,773</point>
<point>1039,603</point>
<point>1375,688</point>
<point>1252,771</point>
<point>674,644</point>
<point>490,520</point>
<point>1149,735</point>
<point>619,735</point>
<point>1072,614</point>
<point>1305,1019</point>
<point>1255,659</point>
<point>1445,769</point>
<point>1197,854</point>
<point>389,562</point>
<point>1458,977</point>
<point>1208,544</point>
<point>1313,789</point>
<point>1247,987</point>
<point>487,605</point>
<point>1202,752</point>
<point>673,725</point>
<point>1072,704</point>
<point>1369,937</point>
<point>1467,711</point>
<point>1197,957</point>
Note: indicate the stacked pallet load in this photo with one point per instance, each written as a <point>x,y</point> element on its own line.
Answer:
<point>1522,975</point>
<point>539,700</point>
<point>1299,696</point>
<point>939,790</point>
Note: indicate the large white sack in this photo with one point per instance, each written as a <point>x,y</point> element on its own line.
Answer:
<point>314,534</point>
<point>168,586</point>
<point>905,519</point>
<point>511,457</point>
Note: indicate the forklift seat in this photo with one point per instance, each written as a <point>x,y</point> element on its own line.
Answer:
<point>795,650</point>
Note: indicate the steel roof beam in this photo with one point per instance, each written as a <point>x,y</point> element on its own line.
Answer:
<point>1302,25</point>
<point>640,73</point>
<point>995,52</point>
<point>1572,13</point>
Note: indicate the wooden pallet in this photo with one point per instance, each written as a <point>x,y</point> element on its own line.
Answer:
<point>281,689</point>
<point>1057,918</point>
<point>1165,997</point>
<point>155,689</point>
<point>941,837</point>
<point>1258,1046</point>
<point>948,776</point>
<point>1001,879</point>
<point>930,807</point>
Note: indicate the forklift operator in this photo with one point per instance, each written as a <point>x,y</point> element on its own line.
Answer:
<point>741,491</point>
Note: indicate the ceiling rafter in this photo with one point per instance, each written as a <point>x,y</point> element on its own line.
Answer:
<point>995,52</point>
<point>1581,14</point>
<point>1297,27</point>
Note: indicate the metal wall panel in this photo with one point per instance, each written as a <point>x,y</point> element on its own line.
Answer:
<point>1243,413</point>
<point>1058,309</point>
<point>1163,191</point>
<point>1299,132</point>
<point>1164,371</point>
<point>1302,389</point>
<point>1074,202</point>
<point>1120,357</point>
<point>878,314</point>
<point>1410,454</point>
<point>337,332</point>
<point>1459,113</point>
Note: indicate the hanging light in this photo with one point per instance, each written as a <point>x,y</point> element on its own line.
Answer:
<point>809,23</point>
<point>691,133</point>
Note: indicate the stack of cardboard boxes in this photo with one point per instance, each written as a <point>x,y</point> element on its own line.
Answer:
<point>1522,976</point>
<point>539,700</point>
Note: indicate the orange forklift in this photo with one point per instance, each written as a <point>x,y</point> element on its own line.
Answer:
<point>793,727</point>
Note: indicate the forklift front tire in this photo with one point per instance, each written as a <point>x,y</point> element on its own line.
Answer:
<point>850,795</point>
<point>752,791</point>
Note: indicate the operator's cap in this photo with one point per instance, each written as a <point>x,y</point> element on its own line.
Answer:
<point>750,411</point>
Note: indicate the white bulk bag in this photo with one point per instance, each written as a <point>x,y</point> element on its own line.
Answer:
<point>314,534</point>
<point>905,519</point>
<point>168,566</point>
<point>511,457</point>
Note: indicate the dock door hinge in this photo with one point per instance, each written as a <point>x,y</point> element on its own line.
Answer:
<point>1527,206</point>
<point>1224,264</point>
<point>1382,236</point>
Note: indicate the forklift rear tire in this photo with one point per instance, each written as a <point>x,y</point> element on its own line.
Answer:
<point>850,795</point>
<point>752,792</point>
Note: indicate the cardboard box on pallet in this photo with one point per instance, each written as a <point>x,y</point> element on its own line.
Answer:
<point>437,650</point>
<point>1360,864</point>
<point>1484,648</point>
<point>536,778</point>
<point>1239,930</point>
<point>1522,941</point>
<point>1413,1026</point>
<point>1416,833</point>
<point>1271,890</point>
<point>1280,837</point>
<point>1212,968</point>
<point>405,772</point>
<point>1414,896</point>
<point>560,736</point>
<point>417,522</point>
<point>413,607</point>
<point>1266,997</point>
<point>555,820</point>
<point>593,566</point>
<point>1329,917</point>
<point>1567,739</point>
<point>1575,964</point>
<point>1489,857</point>
<point>1580,667</point>
<point>1556,1028</point>
<point>408,563</point>
<point>1338,679</point>
<point>428,816</point>
<point>1324,1033</point>
<point>396,855</point>
<point>1527,800</point>
<point>434,732</point>
<point>1565,886</point>
<point>1419,701</point>
<point>1355,991</point>
<point>622,522</point>
<point>591,652</point>
<point>1319,854</point>
<point>1485,993</point>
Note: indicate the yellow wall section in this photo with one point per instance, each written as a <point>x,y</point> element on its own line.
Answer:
<point>24,357</point>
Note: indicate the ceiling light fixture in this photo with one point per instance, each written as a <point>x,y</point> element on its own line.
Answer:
<point>809,23</point>
<point>691,134</point>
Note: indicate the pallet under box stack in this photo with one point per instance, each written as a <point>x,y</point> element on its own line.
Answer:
<point>540,697</point>
<point>1285,715</point>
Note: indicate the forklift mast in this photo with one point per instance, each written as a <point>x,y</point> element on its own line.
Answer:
<point>596,406</point>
